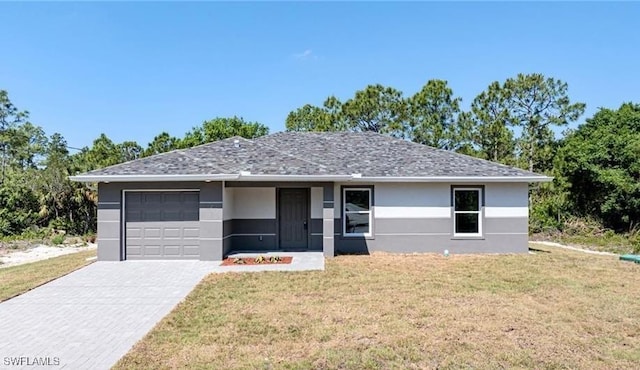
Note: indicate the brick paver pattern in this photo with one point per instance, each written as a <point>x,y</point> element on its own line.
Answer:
<point>92,317</point>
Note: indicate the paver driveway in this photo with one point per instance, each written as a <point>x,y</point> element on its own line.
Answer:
<point>93,316</point>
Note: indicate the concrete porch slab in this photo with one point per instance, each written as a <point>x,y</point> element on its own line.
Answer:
<point>302,261</point>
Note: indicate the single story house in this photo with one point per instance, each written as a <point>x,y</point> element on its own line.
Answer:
<point>332,192</point>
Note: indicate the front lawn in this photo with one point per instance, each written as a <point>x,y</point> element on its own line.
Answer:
<point>19,279</point>
<point>552,309</point>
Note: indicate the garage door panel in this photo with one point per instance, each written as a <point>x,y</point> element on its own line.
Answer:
<point>172,197</point>
<point>191,197</point>
<point>134,199</point>
<point>170,232</point>
<point>152,250</point>
<point>191,232</point>
<point>172,250</point>
<point>134,215</point>
<point>172,215</point>
<point>134,232</point>
<point>162,225</point>
<point>152,197</point>
<point>152,233</point>
<point>151,215</point>
<point>191,250</point>
<point>191,215</point>
<point>134,250</point>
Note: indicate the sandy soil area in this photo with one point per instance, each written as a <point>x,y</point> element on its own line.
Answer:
<point>39,252</point>
<point>552,244</point>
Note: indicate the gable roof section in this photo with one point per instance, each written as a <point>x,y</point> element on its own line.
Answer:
<point>311,156</point>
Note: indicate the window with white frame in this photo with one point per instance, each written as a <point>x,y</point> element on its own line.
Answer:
<point>356,205</point>
<point>467,211</point>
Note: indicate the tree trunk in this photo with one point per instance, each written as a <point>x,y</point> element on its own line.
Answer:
<point>531,149</point>
<point>531,157</point>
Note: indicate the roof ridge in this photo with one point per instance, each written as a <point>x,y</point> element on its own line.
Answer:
<point>205,144</point>
<point>287,153</point>
<point>213,143</point>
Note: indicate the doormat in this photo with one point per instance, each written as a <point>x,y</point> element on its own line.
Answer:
<point>260,260</point>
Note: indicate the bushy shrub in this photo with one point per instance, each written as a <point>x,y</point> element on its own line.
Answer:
<point>600,161</point>
<point>57,239</point>
<point>634,241</point>
<point>61,224</point>
<point>18,207</point>
<point>548,208</point>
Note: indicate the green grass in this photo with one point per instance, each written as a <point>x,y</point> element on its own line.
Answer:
<point>22,278</point>
<point>551,309</point>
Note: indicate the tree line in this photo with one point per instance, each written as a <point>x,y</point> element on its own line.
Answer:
<point>596,166</point>
<point>35,191</point>
<point>531,104</point>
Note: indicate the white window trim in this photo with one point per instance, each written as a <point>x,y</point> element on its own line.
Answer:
<point>478,212</point>
<point>344,213</point>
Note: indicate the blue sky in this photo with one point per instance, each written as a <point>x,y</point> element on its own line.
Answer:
<point>132,70</point>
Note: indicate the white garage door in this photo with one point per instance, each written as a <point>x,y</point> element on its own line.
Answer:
<point>162,225</point>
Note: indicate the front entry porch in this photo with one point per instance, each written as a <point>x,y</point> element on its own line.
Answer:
<point>263,217</point>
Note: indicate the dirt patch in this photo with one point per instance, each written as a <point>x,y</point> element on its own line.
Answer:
<point>19,256</point>
<point>7,247</point>
<point>239,261</point>
<point>558,245</point>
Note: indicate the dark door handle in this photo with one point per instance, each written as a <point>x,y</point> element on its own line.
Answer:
<point>305,225</point>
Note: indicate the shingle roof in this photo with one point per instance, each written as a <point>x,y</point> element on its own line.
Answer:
<point>315,154</point>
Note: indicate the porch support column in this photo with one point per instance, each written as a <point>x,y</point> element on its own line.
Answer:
<point>327,221</point>
<point>211,248</point>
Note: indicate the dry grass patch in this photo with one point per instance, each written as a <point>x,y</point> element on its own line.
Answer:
<point>19,279</point>
<point>560,309</point>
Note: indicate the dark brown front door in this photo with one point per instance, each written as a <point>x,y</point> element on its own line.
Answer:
<point>293,215</point>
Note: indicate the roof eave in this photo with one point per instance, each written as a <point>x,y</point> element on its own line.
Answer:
<point>153,178</point>
<point>290,178</point>
<point>456,179</point>
<point>287,178</point>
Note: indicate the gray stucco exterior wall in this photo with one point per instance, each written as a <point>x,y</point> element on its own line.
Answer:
<point>418,218</point>
<point>406,218</point>
<point>435,243</point>
<point>211,223</point>
<point>250,234</point>
<point>109,222</point>
<point>328,240</point>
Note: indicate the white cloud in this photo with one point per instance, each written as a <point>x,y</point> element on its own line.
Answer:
<point>305,55</point>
